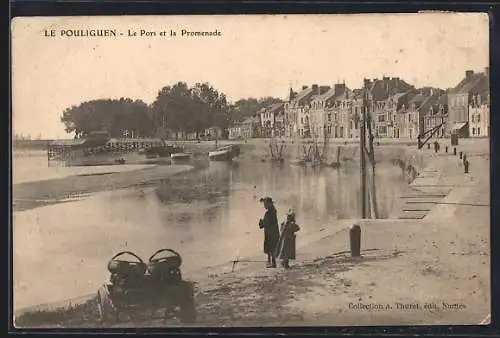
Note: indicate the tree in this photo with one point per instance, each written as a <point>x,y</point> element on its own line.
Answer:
<point>185,109</point>
<point>176,108</point>
<point>113,116</point>
<point>247,107</point>
<point>217,111</point>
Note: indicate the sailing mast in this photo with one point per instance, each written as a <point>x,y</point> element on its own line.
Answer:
<point>372,162</point>
<point>362,139</point>
<point>325,143</point>
<point>368,193</point>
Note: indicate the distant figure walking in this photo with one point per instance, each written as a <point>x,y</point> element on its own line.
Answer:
<point>286,248</point>
<point>271,231</point>
<point>436,146</point>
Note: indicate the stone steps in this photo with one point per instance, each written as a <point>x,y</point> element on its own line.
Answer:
<point>413,214</point>
<point>423,194</point>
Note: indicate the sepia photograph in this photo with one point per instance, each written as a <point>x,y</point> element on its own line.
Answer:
<point>251,170</point>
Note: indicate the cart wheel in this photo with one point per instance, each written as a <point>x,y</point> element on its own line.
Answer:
<point>187,313</point>
<point>105,308</point>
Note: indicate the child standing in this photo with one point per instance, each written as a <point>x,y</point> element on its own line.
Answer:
<point>286,247</point>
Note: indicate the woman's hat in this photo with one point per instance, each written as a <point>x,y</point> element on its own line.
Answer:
<point>266,199</point>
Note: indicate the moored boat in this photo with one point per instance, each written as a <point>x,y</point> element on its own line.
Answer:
<point>226,153</point>
<point>163,151</point>
<point>180,156</point>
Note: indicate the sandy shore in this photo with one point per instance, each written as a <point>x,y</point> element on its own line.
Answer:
<point>28,195</point>
<point>20,175</point>
<point>430,271</point>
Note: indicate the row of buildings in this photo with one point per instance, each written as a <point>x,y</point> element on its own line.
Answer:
<point>398,110</point>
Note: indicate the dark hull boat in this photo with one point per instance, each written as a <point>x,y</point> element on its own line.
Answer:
<point>163,151</point>
<point>226,153</point>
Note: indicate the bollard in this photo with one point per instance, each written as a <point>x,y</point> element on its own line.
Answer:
<point>446,149</point>
<point>466,166</point>
<point>355,239</point>
<point>455,151</point>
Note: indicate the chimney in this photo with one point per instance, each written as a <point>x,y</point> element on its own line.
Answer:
<point>304,87</point>
<point>339,88</point>
<point>315,89</point>
<point>468,73</point>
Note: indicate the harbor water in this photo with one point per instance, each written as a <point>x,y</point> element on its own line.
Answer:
<point>209,215</point>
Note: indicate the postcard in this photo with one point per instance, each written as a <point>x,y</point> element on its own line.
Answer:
<point>251,170</point>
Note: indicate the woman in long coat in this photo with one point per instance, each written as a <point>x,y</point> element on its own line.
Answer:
<point>286,248</point>
<point>271,231</point>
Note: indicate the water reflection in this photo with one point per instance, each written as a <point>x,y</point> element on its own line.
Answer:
<point>215,192</point>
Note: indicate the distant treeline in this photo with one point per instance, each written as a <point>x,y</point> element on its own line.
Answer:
<point>177,108</point>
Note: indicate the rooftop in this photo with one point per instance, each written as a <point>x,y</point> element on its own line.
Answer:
<point>274,107</point>
<point>327,95</point>
<point>251,119</point>
<point>472,82</point>
<point>381,89</point>
<point>304,93</point>
<point>418,99</point>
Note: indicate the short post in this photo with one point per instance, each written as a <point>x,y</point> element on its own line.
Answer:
<point>355,239</point>
<point>428,146</point>
<point>455,151</point>
<point>461,154</point>
<point>466,166</point>
<point>446,149</point>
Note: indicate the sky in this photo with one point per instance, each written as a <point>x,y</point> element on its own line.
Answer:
<point>255,56</point>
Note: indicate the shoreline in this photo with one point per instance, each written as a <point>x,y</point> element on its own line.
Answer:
<point>317,252</point>
<point>34,194</point>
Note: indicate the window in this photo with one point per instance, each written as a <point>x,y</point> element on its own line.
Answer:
<point>381,118</point>
<point>329,130</point>
<point>473,131</point>
<point>329,117</point>
<point>382,130</point>
<point>478,118</point>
